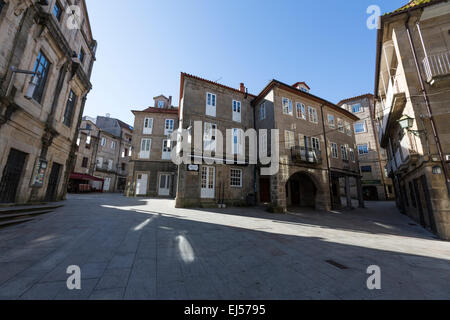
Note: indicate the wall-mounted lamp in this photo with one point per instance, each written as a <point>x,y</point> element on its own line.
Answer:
<point>34,82</point>
<point>406,123</point>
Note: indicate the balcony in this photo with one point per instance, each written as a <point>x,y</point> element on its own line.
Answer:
<point>306,155</point>
<point>437,66</point>
<point>404,155</point>
<point>392,107</point>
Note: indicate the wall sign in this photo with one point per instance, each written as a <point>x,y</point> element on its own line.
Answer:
<point>39,173</point>
<point>193,167</point>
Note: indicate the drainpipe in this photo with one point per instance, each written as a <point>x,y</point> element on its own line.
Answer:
<point>328,160</point>
<point>428,105</point>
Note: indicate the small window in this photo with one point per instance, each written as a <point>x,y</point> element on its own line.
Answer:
<point>236,178</point>
<point>84,163</point>
<point>57,11</point>
<point>313,115</point>
<point>103,142</point>
<point>262,111</point>
<point>168,128</point>
<point>363,149</point>
<point>287,106</point>
<point>344,153</point>
<point>315,143</point>
<point>81,55</point>
<point>70,109</point>
<point>331,122</point>
<point>211,101</point>
<point>301,111</point>
<point>360,127</point>
<point>334,150</point>
<point>356,108</point>
<point>236,111</point>
<point>366,169</point>
<point>160,104</point>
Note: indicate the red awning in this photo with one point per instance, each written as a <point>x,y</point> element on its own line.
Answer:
<point>80,176</point>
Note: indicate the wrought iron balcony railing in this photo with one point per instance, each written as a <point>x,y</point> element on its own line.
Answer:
<point>306,155</point>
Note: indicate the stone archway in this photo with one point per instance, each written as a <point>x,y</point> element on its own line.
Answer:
<point>303,190</point>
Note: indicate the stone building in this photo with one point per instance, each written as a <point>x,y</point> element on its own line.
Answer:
<point>412,93</point>
<point>151,172</point>
<point>45,68</point>
<point>317,147</point>
<point>376,184</point>
<point>207,110</point>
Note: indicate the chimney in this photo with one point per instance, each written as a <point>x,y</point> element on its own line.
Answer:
<point>108,115</point>
<point>170,101</point>
<point>242,88</point>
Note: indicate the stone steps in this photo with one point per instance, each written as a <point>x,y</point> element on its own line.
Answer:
<point>15,215</point>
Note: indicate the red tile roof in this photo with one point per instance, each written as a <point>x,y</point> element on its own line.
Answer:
<point>368,95</point>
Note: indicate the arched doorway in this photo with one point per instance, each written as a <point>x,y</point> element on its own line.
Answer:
<point>301,191</point>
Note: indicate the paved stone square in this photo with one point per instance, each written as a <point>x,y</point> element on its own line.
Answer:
<point>146,249</point>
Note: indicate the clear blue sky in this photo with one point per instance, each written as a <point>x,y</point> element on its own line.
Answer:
<point>145,44</point>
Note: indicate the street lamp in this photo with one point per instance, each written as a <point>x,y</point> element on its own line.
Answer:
<point>406,123</point>
<point>34,82</point>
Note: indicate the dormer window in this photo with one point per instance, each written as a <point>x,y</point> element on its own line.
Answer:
<point>160,104</point>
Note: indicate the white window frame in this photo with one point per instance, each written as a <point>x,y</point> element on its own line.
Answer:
<point>362,145</point>
<point>313,116</point>
<point>348,128</point>
<point>166,151</point>
<point>235,178</point>
<point>286,104</point>
<point>237,144</point>
<point>237,110</point>
<point>148,126</point>
<point>352,155</point>
<point>334,150</point>
<point>315,143</point>
<point>99,162</point>
<point>331,124</point>
<point>143,152</point>
<point>209,136</point>
<point>161,104</point>
<point>360,108</point>
<point>211,104</point>
<point>113,145</point>
<point>103,141</point>
<point>340,125</point>
<point>302,108</point>
<point>344,152</point>
<point>289,137</point>
<point>363,123</point>
<point>262,111</point>
<point>168,129</point>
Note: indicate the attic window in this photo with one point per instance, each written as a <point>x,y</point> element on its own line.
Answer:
<point>160,104</point>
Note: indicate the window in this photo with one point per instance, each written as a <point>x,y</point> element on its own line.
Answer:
<point>348,128</point>
<point>70,109</point>
<point>99,162</point>
<point>344,153</point>
<point>57,11</point>
<point>340,125</point>
<point>113,145</point>
<point>166,150</point>
<point>81,55</point>
<point>110,164</point>
<point>123,166</point>
<point>160,104</point>
<point>287,106</point>
<point>262,111</point>
<point>263,142</point>
<point>356,108</point>
<point>103,142</point>
<point>211,104</point>
<point>209,137</point>
<point>289,139</point>
<point>148,126</point>
<point>238,137</point>
<point>315,143</point>
<point>236,178</point>
<point>331,122</point>
<point>145,148</point>
<point>301,111</point>
<point>168,128</point>
<point>352,155</point>
<point>334,150</point>
<point>313,115</point>
<point>84,163</point>
<point>366,169</point>
<point>236,111</point>
<point>360,127</point>
<point>363,149</point>
<point>42,66</point>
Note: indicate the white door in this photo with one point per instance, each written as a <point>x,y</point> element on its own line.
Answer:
<point>208,182</point>
<point>141,184</point>
<point>106,184</point>
<point>164,185</point>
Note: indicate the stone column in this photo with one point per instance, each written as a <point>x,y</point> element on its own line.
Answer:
<point>347,192</point>
<point>360,192</point>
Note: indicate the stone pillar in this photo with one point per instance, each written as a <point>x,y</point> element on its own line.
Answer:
<point>360,192</point>
<point>347,192</point>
